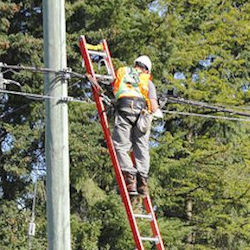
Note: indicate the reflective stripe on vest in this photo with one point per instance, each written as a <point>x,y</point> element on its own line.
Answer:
<point>131,83</point>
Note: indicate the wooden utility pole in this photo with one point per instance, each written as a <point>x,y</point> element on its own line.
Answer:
<point>56,131</point>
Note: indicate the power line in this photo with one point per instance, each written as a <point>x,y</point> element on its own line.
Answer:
<point>206,116</point>
<point>106,99</point>
<point>67,72</point>
<point>42,97</point>
<point>236,107</point>
<point>6,113</point>
<point>32,224</point>
<point>203,105</point>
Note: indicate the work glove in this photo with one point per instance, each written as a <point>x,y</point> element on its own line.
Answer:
<point>157,114</point>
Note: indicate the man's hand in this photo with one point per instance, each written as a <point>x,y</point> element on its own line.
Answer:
<point>158,114</point>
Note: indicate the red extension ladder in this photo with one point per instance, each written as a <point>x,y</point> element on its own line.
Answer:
<point>101,52</point>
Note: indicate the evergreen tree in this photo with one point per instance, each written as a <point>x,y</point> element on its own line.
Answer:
<point>21,127</point>
<point>199,178</point>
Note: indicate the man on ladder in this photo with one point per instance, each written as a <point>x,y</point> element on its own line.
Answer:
<point>136,102</point>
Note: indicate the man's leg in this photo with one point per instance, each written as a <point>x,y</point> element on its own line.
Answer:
<point>142,158</point>
<point>123,144</point>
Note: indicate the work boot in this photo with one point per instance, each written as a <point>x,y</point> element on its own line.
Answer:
<point>130,181</point>
<point>142,185</point>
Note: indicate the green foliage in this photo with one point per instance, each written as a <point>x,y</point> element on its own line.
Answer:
<point>115,233</point>
<point>200,168</point>
<point>12,231</point>
<point>85,234</point>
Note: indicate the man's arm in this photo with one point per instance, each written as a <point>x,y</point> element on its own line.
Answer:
<point>154,105</point>
<point>152,96</point>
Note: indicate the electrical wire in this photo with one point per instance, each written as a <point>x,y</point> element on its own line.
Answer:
<point>235,107</point>
<point>42,97</point>
<point>13,111</point>
<point>172,99</point>
<point>67,73</point>
<point>105,98</point>
<point>74,84</point>
<point>32,225</point>
<point>206,116</point>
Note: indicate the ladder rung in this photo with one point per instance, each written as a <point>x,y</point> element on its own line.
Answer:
<point>105,77</point>
<point>144,216</point>
<point>155,239</point>
<point>94,47</point>
<point>97,53</point>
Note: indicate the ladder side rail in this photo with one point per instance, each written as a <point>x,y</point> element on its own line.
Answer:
<point>154,225</point>
<point>108,138</point>
<point>118,172</point>
<point>108,58</point>
<point>86,57</point>
<point>149,209</point>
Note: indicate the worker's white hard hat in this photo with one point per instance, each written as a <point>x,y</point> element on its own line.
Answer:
<point>145,61</point>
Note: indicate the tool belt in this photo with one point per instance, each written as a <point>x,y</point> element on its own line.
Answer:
<point>131,102</point>
<point>144,119</point>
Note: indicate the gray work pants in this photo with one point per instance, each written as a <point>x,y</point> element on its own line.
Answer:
<point>127,137</point>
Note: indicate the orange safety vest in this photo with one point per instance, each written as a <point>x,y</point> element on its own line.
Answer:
<point>131,83</point>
